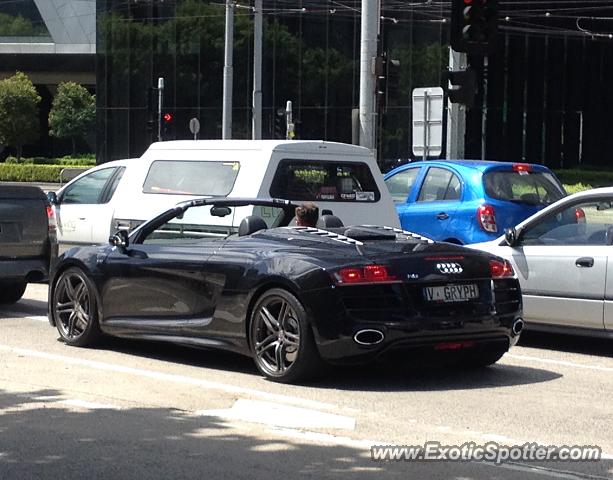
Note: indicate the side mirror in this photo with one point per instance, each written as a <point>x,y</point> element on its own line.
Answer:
<point>510,236</point>
<point>120,239</point>
<point>220,211</point>
<point>52,197</point>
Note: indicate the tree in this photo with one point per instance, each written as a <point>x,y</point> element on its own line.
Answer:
<point>19,122</point>
<point>73,112</point>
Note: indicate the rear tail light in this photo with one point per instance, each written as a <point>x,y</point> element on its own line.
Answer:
<point>364,275</point>
<point>522,168</point>
<point>52,225</point>
<point>501,269</point>
<point>579,215</point>
<point>486,216</point>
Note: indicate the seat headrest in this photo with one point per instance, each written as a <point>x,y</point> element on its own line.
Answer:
<point>329,221</point>
<point>251,224</point>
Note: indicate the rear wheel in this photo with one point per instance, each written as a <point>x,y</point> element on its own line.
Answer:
<point>281,338</point>
<point>12,292</point>
<point>75,308</point>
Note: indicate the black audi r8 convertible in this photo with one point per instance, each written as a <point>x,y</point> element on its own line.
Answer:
<point>291,297</point>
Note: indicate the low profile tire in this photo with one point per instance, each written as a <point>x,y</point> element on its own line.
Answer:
<point>12,292</point>
<point>281,338</point>
<point>75,308</point>
<point>483,358</point>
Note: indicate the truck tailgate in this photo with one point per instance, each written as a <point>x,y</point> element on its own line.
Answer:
<point>23,222</point>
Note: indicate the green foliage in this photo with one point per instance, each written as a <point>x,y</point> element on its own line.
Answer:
<point>73,112</point>
<point>595,178</point>
<point>18,26</point>
<point>576,187</point>
<point>30,173</point>
<point>68,161</point>
<point>19,101</point>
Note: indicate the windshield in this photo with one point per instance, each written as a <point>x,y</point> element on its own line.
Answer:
<point>534,188</point>
<point>202,223</point>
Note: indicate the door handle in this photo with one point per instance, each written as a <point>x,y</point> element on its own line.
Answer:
<point>442,216</point>
<point>584,262</point>
<point>82,218</point>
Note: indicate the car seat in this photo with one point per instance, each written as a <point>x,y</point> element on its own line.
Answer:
<point>329,221</point>
<point>251,224</point>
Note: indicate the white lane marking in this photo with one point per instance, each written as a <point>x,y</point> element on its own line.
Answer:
<point>168,377</point>
<point>564,363</point>
<point>36,318</point>
<point>274,414</point>
<point>89,405</point>
<point>325,438</point>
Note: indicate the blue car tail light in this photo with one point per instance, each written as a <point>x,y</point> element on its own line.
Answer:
<point>486,215</point>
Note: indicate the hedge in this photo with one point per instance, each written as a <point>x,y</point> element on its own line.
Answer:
<point>68,161</point>
<point>589,178</point>
<point>32,173</point>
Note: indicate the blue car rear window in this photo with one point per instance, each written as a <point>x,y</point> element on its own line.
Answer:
<point>534,188</point>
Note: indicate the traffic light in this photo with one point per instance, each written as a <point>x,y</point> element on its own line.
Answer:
<point>381,75</point>
<point>463,86</point>
<point>474,25</point>
<point>387,78</point>
<point>393,76</point>
<point>167,125</point>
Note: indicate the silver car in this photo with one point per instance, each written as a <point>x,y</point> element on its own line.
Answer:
<point>563,256</point>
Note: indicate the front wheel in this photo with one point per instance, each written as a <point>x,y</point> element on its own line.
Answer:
<point>75,308</point>
<point>281,338</point>
<point>12,292</point>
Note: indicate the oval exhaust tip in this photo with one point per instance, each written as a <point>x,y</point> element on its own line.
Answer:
<point>368,336</point>
<point>518,326</point>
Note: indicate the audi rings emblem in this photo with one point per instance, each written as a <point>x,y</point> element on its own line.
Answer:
<point>448,268</point>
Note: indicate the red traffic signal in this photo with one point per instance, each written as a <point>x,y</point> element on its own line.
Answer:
<point>167,117</point>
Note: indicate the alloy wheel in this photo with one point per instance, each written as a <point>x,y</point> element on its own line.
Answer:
<point>74,306</point>
<point>276,339</point>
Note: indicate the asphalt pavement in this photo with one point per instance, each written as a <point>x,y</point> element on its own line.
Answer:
<point>145,410</point>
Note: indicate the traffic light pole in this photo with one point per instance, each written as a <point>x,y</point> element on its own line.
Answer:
<point>256,121</point>
<point>456,113</point>
<point>160,102</point>
<point>228,71</point>
<point>484,110</point>
<point>368,52</point>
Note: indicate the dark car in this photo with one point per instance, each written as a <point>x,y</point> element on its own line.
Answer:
<point>291,297</point>
<point>469,201</point>
<point>27,234</point>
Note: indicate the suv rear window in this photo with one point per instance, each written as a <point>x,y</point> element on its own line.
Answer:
<point>215,179</point>
<point>534,188</point>
<point>326,181</point>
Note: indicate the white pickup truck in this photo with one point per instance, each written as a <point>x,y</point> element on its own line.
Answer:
<point>121,194</point>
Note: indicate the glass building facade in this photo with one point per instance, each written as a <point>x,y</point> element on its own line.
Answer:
<point>540,105</point>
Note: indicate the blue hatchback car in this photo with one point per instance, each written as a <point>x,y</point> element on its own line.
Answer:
<point>469,201</point>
